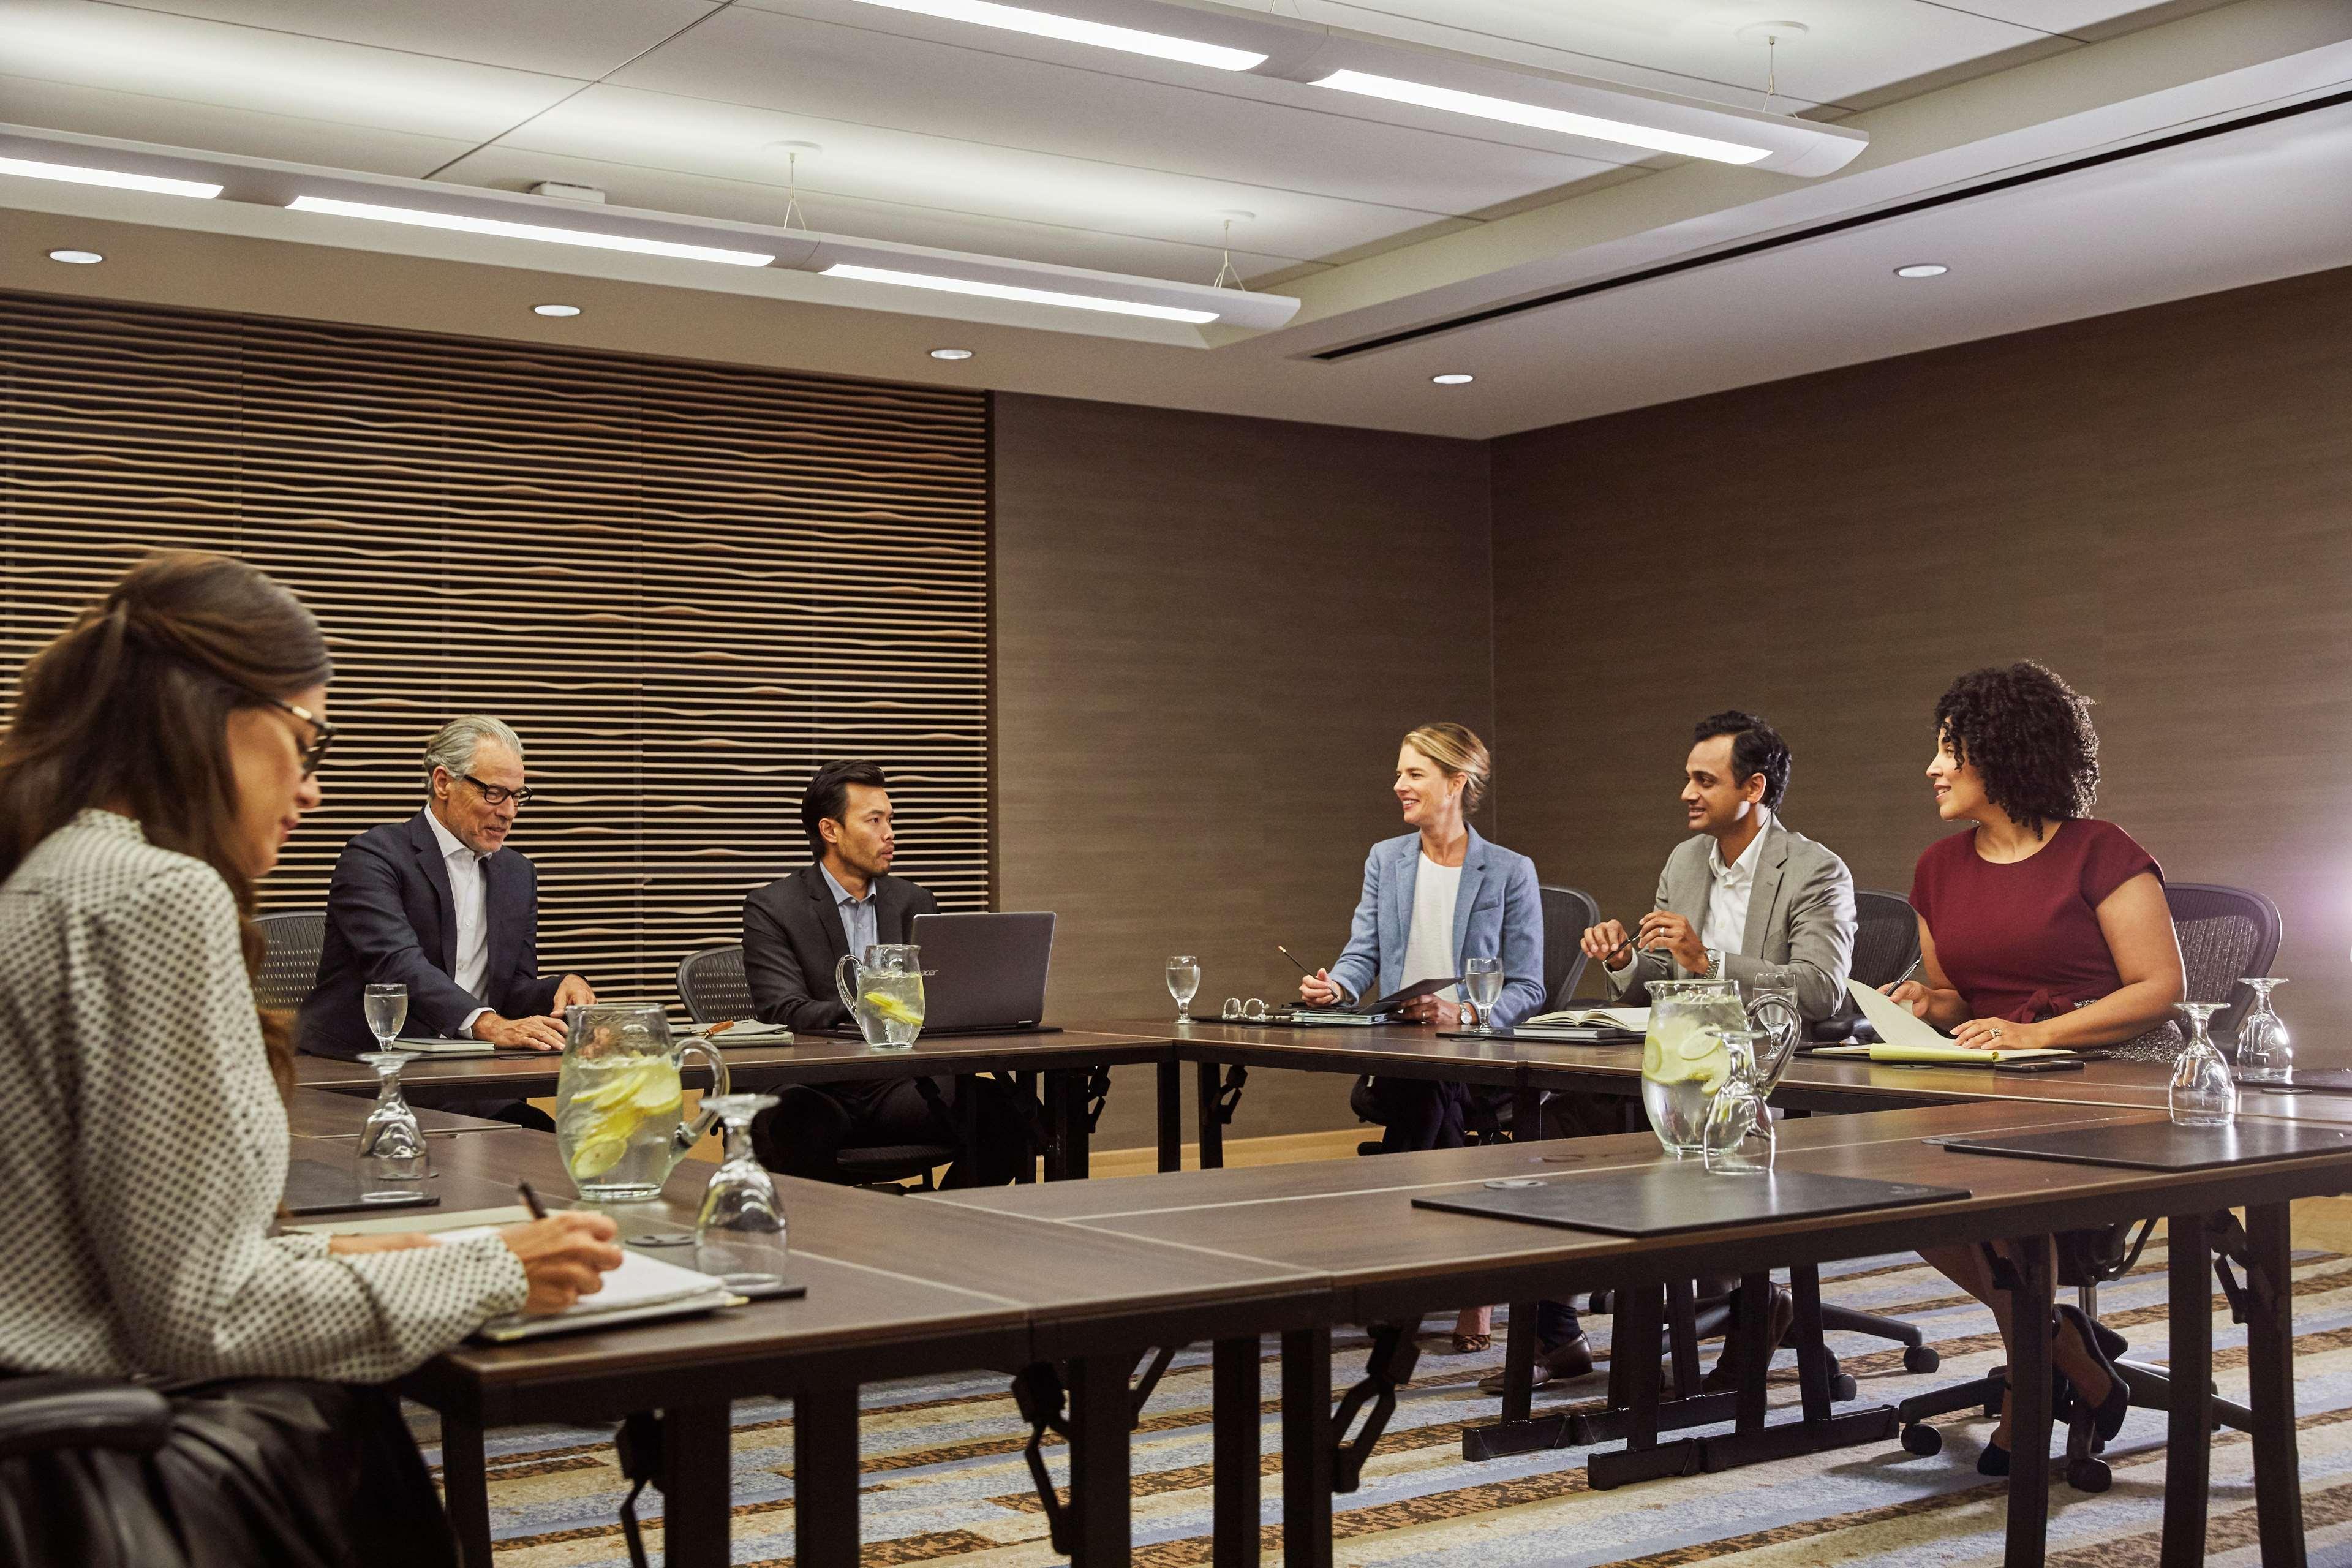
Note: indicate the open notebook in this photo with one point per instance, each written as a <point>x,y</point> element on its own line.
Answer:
<point>641,1288</point>
<point>1635,1020</point>
<point>1904,1036</point>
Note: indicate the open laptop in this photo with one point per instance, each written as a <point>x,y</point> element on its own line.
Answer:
<point>983,974</point>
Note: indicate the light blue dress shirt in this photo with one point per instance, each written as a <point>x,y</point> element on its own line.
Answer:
<point>859,921</point>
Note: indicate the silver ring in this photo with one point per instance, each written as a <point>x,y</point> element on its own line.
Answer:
<point>1995,1031</point>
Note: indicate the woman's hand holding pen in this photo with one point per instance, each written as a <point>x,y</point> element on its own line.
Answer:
<point>1317,990</point>
<point>564,1256</point>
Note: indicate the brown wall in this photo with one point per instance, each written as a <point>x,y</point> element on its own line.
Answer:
<point>2157,503</point>
<point>1211,633</point>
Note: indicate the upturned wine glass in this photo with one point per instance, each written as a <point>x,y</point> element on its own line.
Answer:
<point>393,1159</point>
<point>738,1233</point>
<point>1183,980</point>
<point>2265,1055</point>
<point>1737,1140</point>
<point>2202,1094</point>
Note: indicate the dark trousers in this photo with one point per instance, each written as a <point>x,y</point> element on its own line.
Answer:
<point>1413,1113</point>
<point>811,1124</point>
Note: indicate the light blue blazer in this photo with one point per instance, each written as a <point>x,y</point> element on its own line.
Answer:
<point>1498,913</point>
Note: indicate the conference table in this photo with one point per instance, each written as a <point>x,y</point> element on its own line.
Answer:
<point>1093,1275</point>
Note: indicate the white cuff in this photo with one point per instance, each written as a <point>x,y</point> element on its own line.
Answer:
<point>465,1029</point>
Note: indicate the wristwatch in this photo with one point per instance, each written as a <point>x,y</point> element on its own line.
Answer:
<point>1714,970</point>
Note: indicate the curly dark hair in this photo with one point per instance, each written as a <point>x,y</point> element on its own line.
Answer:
<point>2030,736</point>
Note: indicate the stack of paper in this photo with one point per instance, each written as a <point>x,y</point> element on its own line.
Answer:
<point>642,1287</point>
<point>1904,1036</point>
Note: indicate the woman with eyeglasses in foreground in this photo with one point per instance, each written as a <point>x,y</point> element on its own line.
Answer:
<point>2042,926</point>
<point>162,752</point>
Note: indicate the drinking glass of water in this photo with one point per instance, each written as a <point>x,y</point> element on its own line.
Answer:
<point>387,1009</point>
<point>394,1162</point>
<point>1482,981</point>
<point>1183,980</point>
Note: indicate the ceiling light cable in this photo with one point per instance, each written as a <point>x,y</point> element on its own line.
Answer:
<point>793,192</point>
<point>1226,269</point>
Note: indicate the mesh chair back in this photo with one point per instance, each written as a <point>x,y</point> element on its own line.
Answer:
<point>1886,943</point>
<point>290,957</point>
<point>711,984</point>
<point>2225,933</point>
<point>1566,912</point>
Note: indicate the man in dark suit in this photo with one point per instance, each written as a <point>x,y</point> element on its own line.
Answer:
<point>796,931</point>
<point>440,905</point>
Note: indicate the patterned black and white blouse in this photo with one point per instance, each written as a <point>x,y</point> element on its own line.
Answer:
<point>144,1148</point>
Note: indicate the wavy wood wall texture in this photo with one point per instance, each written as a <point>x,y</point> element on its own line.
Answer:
<point>684,584</point>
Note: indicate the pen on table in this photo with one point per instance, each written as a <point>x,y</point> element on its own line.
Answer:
<point>530,1201</point>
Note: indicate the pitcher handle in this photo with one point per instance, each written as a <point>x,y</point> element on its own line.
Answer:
<point>1786,1033</point>
<point>691,1133</point>
<point>841,982</point>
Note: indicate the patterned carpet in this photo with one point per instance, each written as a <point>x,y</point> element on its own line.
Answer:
<point>944,1482</point>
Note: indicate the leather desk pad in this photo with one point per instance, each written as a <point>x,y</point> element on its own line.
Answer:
<point>1663,1199</point>
<point>2162,1145</point>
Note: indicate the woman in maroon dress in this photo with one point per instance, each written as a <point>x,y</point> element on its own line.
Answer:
<point>2041,927</point>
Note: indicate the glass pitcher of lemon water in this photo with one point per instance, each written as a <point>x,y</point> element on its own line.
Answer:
<point>618,1101</point>
<point>1684,1059</point>
<point>884,991</point>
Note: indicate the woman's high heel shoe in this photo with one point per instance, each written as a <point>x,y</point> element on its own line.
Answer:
<point>2103,1344</point>
<point>1993,1460</point>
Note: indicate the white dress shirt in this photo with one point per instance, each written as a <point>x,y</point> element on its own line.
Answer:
<point>1429,940</point>
<point>1727,900</point>
<point>465,892</point>
<point>144,1148</point>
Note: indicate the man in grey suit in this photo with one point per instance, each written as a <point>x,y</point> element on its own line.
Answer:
<point>1747,893</point>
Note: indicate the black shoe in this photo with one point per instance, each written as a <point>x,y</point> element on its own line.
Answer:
<point>1557,1364</point>
<point>2096,1337</point>
<point>1993,1461</point>
<point>1725,1376</point>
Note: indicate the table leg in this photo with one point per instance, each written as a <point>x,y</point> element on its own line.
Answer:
<point>1102,1412</point>
<point>1519,1362</point>
<point>697,1485</point>
<point>2270,1362</point>
<point>465,1482</point>
<point>966,1173</point>
<point>1752,1330</point>
<point>1024,1084</point>
<point>2187,1453</point>
<point>824,1477</point>
<point>1171,1116</point>
<point>2028,1401</point>
<point>1527,1113</point>
<point>1207,1088</point>
<point>1306,1448</point>
<point>1234,1416</point>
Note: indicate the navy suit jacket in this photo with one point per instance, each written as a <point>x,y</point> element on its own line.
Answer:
<point>391,918</point>
<point>792,942</point>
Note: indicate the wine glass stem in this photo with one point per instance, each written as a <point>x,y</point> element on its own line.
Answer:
<point>1183,1010</point>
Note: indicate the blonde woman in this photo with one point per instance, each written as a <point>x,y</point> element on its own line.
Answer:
<point>1432,898</point>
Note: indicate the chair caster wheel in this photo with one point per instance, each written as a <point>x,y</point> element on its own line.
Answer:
<point>1842,1388</point>
<point>1921,1358</point>
<point>1923,1440</point>
<point>2089,1474</point>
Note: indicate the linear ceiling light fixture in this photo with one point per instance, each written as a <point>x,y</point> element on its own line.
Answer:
<point>425,218</point>
<point>1075,30</point>
<point>1008,292</point>
<point>74,174</point>
<point>1476,103</point>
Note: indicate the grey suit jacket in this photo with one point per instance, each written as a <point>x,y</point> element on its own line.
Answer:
<point>1800,917</point>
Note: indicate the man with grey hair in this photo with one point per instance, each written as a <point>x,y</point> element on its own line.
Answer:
<point>440,905</point>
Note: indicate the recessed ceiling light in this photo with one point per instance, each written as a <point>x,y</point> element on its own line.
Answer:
<point>1071,29</point>
<point>1922,269</point>
<point>555,310</point>
<point>1454,378</point>
<point>950,353</point>
<point>75,174</point>
<point>1008,291</point>
<point>1542,119</point>
<point>79,258</point>
<point>590,237</point>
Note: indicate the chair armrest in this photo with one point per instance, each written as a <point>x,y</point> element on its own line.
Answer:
<point>46,1412</point>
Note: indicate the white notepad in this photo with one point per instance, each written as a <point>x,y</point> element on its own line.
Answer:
<point>640,1289</point>
<point>748,1032</point>
<point>1634,1020</point>
<point>1906,1036</point>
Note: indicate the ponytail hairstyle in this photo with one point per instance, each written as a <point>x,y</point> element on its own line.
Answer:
<point>129,707</point>
<point>1458,754</point>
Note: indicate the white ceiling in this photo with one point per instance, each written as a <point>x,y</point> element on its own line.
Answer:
<point>971,139</point>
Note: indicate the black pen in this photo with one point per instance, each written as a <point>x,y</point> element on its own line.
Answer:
<point>530,1201</point>
<point>1294,958</point>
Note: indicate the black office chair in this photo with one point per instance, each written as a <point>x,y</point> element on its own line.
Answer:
<point>46,1414</point>
<point>289,959</point>
<point>710,982</point>
<point>2226,935</point>
<point>1568,913</point>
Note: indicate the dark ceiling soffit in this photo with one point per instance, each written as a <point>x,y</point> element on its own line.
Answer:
<point>1798,237</point>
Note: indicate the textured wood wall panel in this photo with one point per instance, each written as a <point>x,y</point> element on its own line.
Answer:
<point>2157,503</point>
<point>684,584</point>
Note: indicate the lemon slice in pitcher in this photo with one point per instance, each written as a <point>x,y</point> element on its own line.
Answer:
<point>891,1007</point>
<point>596,1156</point>
<point>656,1091</point>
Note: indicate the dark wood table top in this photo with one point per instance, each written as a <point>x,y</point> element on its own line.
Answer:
<point>809,1060</point>
<point>1354,1219</point>
<point>322,1113</point>
<point>1396,1050</point>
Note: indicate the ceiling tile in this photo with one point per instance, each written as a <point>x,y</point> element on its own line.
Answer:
<point>565,38</point>
<point>174,123</point>
<point>127,50</point>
